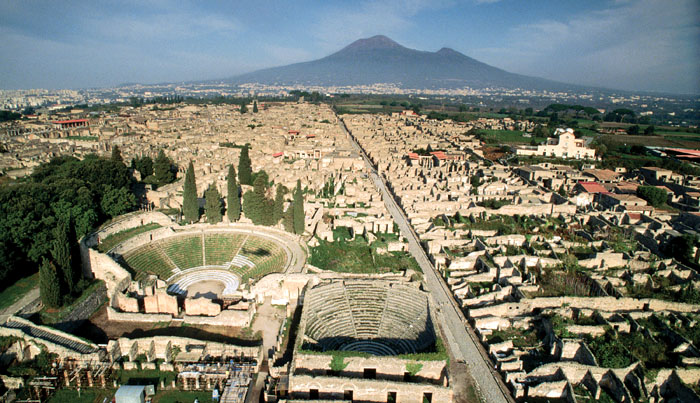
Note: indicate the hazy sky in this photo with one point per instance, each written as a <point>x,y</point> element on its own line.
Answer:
<point>635,45</point>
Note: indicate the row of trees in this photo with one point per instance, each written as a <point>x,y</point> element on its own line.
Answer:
<point>257,204</point>
<point>159,172</point>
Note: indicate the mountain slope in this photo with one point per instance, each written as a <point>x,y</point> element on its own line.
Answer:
<point>380,60</point>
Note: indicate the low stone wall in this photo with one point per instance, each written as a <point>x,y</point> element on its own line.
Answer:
<point>603,304</point>
<point>83,310</point>
<point>112,314</point>
<point>365,390</point>
<point>128,221</point>
<point>225,318</point>
<point>170,348</point>
<point>388,368</point>
<point>101,266</point>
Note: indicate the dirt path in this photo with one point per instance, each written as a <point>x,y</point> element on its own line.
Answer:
<point>27,299</point>
<point>268,320</point>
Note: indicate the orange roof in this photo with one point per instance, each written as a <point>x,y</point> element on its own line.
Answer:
<point>279,154</point>
<point>413,156</point>
<point>71,121</point>
<point>439,155</point>
<point>593,187</point>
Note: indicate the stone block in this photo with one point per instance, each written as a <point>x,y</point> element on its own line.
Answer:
<point>201,306</point>
<point>150,304</point>
<point>167,303</point>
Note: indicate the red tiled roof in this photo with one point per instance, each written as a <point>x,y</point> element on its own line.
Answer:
<point>279,154</point>
<point>294,132</point>
<point>71,121</point>
<point>593,187</point>
<point>413,156</point>
<point>439,155</point>
<point>635,216</point>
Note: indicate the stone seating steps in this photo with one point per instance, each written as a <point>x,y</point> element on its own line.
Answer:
<point>35,331</point>
<point>220,248</point>
<point>185,251</point>
<point>369,346</point>
<point>150,259</point>
<point>229,280</point>
<point>242,261</point>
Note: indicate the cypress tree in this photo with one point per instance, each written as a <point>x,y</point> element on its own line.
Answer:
<point>255,106</point>
<point>212,205</point>
<point>244,108</point>
<point>278,210</point>
<point>288,219</point>
<point>245,170</point>
<point>190,205</point>
<point>233,197</point>
<point>117,154</point>
<point>298,212</point>
<point>162,169</point>
<point>61,254</point>
<point>251,206</point>
<point>49,288</point>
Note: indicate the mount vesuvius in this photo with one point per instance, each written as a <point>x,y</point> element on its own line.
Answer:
<point>381,60</point>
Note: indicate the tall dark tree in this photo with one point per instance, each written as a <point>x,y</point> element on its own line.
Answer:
<point>244,108</point>
<point>144,165</point>
<point>298,212</point>
<point>255,106</point>
<point>212,204</point>
<point>49,288</point>
<point>61,254</point>
<point>245,169</point>
<point>233,196</point>
<point>162,168</point>
<point>288,219</point>
<point>190,205</point>
<point>117,201</point>
<point>117,154</point>
<point>279,204</point>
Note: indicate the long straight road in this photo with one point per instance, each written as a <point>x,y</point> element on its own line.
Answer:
<point>463,343</point>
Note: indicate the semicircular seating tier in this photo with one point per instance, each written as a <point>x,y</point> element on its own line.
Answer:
<point>246,255</point>
<point>375,317</point>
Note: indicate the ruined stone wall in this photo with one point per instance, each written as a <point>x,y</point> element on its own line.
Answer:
<point>388,368</point>
<point>82,311</point>
<point>165,347</point>
<point>604,304</point>
<point>101,266</point>
<point>366,390</point>
<point>113,314</point>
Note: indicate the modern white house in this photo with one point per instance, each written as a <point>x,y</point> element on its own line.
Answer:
<point>564,145</point>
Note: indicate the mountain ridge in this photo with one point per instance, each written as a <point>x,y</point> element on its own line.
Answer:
<point>379,59</point>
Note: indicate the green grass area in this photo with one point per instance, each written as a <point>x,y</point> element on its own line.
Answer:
<point>181,396</point>
<point>121,236</point>
<point>82,396</point>
<point>609,351</point>
<point>13,293</point>
<point>83,138</point>
<point>357,256</point>
<point>145,377</point>
<point>507,137</point>
<point>521,338</point>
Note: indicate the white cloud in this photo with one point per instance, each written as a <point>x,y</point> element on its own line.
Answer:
<point>650,44</point>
